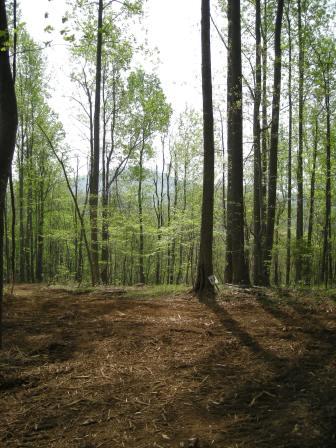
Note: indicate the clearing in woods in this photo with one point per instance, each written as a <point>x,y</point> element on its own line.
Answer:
<point>103,369</point>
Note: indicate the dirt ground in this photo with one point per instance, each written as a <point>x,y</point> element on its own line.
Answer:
<point>107,369</point>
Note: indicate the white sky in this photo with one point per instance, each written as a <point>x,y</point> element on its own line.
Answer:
<point>173,28</point>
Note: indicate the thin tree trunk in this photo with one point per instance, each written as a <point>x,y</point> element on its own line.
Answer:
<point>223,172</point>
<point>173,250</point>
<point>276,254</point>
<point>169,261</point>
<point>94,174</point>
<point>273,156</point>
<point>326,256</point>
<point>40,241</point>
<point>11,186</point>
<point>299,175</point>
<point>257,203</point>
<point>265,133</point>
<point>140,212</point>
<point>21,206</point>
<point>290,138</point>
<point>181,254</point>
<point>312,201</point>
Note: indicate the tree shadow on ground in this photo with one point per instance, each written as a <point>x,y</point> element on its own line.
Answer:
<point>293,404</point>
<point>249,373</point>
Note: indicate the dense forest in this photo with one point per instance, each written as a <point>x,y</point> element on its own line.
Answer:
<point>237,194</point>
<point>134,214</point>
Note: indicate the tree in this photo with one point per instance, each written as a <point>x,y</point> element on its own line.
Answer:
<point>203,286</point>
<point>273,153</point>
<point>8,126</point>
<point>235,204</point>
<point>325,55</point>
<point>299,207</point>
<point>257,183</point>
<point>290,142</point>
<point>95,156</point>
<point>149,113</point>
<point>104,55</point>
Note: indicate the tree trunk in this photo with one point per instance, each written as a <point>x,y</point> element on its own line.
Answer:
<point>169,261</point>
<point>265,133</point>
<point>21,206</point>
<point>235,226</point>
<point>8,126</point>
<point>140,212</point>
<point>94,173</point>
<point>173,249</point>
<point>11,185</point>
<point>273,154</point>
<point>290,138</point>
<point>205,267</point>
<point>299,175</point>
<point>257,205</point>
<point>312,203</point>
<point>326,273</point>
<point>40,241</point>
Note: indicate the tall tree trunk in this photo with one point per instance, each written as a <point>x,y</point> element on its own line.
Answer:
<point>312,202</point>
<point>169,261</point>
<point>173,250</point>
<point>40,240</point>
<point>326,273</point>
<point>6,237</point>
<point>273,154</point>
<point>276,255</point>
<point>11,185</point>
<point>181,252</point>
<point>265,133</point>
<point>290,138</point>
<point>8,126</point>
<point>257,203</point>
<point>29,216</point>
<point>94,173</point>
<point>235,226</point>
<point>158,207</point>
<point>205,267</point>
<point>299,175</point>
<point>140,212</point>
<point>21,204</point>
<point>223,172</point>
<point>106,164</point>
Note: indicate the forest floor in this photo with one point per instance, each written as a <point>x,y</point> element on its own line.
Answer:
<point>130,369</point>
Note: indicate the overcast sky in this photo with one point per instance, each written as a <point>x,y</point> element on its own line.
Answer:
<point>173,27</point>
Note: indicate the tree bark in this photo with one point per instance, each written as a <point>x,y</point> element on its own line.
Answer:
<point>202,286</point>
<point>273,153</point>
<point>326,273</point>
<point>299,174</point>
<point>11,185</point>
<point>257,203</point>
<point>235,227</point>
<point>290,142</point>
<point>312,202</point>
<point>94,173</point>
<point>140,213</point>
<point>8,126</point>
<point>265,133</point>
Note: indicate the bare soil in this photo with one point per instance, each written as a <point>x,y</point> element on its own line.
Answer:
<point>114,369</point>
